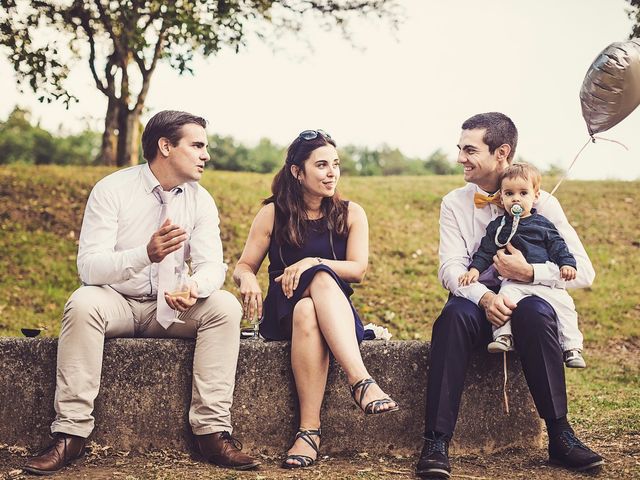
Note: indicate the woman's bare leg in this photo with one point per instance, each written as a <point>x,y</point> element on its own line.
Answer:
<point>310,363</point>
<point>335,320</point>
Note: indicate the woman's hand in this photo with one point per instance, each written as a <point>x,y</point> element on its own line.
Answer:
<point>291,276</point>
<point>251,295</point>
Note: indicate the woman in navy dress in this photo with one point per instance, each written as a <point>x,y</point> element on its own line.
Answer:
<point>317,244</point>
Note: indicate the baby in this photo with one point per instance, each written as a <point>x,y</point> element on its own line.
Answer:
<point>539,241</point>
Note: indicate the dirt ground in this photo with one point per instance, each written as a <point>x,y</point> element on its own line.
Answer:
<point>622,456</point>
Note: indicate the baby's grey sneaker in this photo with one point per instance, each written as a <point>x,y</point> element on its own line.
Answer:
<point>573,359</point>
<point>503,343</point>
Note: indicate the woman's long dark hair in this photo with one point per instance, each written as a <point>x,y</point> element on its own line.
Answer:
<point>290,226</point>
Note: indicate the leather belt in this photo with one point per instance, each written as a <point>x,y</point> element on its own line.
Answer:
<point>142,298</point>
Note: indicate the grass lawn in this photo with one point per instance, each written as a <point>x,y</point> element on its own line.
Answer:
<point>41,211</point>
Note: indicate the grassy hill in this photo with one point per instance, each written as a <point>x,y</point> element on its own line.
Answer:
<point>41,211</point>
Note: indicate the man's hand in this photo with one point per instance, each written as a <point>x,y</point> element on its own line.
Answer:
<point>167,239</point>
<point>567,272</point>
<point>497,307</point>
<point>468,278</point>
<point>182,304</point>
<point>511,264</point>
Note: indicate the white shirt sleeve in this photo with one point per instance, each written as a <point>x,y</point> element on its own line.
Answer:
<point>207,258</point>
<point>98,262</point>
<point>454,257</point>
<point>549,273</point>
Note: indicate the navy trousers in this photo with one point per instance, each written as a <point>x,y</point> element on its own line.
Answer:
<point>462,327</point>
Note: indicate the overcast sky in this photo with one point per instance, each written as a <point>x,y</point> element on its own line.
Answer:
<point>410,90</point>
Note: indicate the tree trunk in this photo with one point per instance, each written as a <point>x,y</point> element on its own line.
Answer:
<point>128,137</point>
<point>110,135</point>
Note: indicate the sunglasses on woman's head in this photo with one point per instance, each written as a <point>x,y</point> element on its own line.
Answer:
<point>313,134</point>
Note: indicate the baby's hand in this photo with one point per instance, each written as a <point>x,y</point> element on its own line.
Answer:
<point>567,272</point>
<point>469,277</point>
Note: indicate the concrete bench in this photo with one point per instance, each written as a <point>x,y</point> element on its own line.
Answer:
<point>146,389</point>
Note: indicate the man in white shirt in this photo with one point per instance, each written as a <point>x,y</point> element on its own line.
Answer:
<point>487,146</point>
<point>141,226</point>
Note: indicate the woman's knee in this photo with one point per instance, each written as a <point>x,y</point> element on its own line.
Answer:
<point>324,280</point>
<point>305,321</point>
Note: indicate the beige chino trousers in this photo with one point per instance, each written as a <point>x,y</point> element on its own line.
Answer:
<point>94,313</point>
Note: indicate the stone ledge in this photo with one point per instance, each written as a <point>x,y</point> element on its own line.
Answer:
<point>144,407</point>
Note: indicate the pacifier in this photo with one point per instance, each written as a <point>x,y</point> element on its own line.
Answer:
<point>516,210</point>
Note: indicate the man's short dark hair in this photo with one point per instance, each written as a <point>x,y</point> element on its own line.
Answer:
<point>500,129</point>
<point>168,124</point>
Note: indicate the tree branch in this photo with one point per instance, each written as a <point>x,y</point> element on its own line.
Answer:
<point>106,21</point>
<point>146,74</point>
<point>85,16</point>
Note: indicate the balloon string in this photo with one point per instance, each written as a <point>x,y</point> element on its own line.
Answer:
<point>610,140</point>
<point>593,139</point>
<point>566,173</point>
<point>504,385</point>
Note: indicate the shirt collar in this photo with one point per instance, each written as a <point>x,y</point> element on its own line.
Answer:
<point>151,182</point>
<point>478,189</point>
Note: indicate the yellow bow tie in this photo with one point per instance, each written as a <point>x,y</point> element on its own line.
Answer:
<point>480,200</point>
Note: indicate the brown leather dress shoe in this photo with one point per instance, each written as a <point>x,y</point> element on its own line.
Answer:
<point>64,450</point>
<point>223,450</point>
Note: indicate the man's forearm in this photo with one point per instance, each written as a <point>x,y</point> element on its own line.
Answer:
<point>107,268</point>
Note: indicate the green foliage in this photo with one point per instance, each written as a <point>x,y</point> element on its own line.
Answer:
<point>227,154</point>
<point>554,170</point>
<point>439,164</point>
<point>385,160</point>
<point>22,142</point>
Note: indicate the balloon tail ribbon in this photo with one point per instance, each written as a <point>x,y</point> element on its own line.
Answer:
<point>592,139</point>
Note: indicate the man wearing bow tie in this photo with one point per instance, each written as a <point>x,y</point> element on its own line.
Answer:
<point>142,226</point>
<point>487,146</point>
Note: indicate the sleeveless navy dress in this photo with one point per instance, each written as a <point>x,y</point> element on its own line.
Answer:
<point>278,309</point>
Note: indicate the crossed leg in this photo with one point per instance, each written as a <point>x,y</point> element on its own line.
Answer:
<point>323,321</point>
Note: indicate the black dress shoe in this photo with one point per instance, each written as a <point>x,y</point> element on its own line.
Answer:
<point>434,459</point>
<point>566,450</point>
<point>64,450</point>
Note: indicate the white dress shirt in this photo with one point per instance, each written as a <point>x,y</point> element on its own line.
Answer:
<point>462,227</point>
<point>121,215</point>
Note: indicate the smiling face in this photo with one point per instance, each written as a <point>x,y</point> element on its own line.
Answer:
<point>518,191</point>
<point>321,172</point>
<point>186,160</point>
<point>480,166</point>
